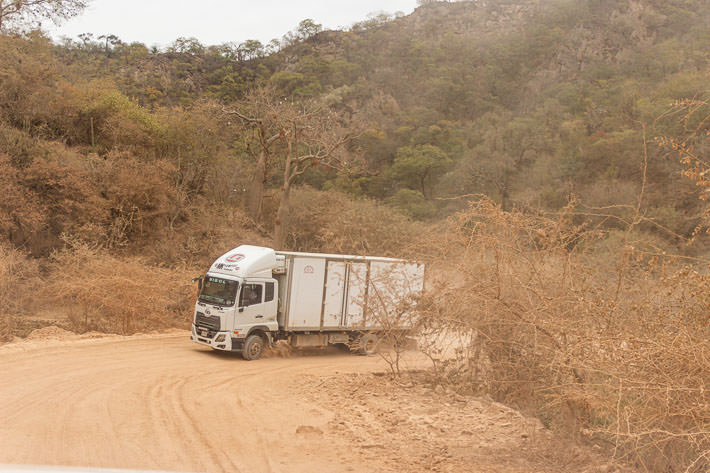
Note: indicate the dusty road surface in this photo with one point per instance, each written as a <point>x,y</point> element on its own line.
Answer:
<point>160,402</point>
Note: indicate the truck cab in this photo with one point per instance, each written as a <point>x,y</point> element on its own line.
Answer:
<point>238,298</point>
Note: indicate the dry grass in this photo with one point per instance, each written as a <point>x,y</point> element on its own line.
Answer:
<point>124,296</point>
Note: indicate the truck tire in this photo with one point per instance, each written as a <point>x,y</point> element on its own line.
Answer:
<point>368,344</point>
<point>253,347</point>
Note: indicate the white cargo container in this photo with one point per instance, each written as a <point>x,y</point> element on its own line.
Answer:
<point>253,296</point>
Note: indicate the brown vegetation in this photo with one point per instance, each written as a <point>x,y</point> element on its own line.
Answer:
<point>608,343</point>
<point>330,221</point>
<point>124,296</point>
<point>19,277</point>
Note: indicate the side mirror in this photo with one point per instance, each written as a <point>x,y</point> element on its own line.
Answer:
<point>241,309</point>
<point>198,279</point>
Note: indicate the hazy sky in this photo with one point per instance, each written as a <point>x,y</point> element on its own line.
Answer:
<point>217,21</point>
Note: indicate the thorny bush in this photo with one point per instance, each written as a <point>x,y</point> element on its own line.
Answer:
<point>611,348</point>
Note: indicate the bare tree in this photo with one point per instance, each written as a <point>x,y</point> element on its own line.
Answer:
<point>312,137</point>
<point>391,305</point>
<point>259,114</point>
<point>19,13</point>
<point>394,312</point>
<point>293,136</point>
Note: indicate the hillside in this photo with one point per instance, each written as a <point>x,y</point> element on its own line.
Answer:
<point>531,103</point>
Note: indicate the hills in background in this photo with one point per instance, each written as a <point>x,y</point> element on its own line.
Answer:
<point>532,103</point>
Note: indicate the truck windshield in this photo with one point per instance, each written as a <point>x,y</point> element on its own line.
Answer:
<point>219,291</point>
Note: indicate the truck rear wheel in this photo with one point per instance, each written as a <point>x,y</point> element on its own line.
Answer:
<point>253,347</point>
<point>368,344</point>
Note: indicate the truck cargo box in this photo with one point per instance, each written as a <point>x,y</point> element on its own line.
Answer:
<point>338,292</point>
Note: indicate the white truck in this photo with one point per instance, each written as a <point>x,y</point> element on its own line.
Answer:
<point>253,296</point>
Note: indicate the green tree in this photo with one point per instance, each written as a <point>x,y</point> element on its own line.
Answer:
<point>418,167</point>
<point>250,49</point>
<point>496,165</point>
<point>307,28</point>
<point>191,46</point>
<point>413,203</point>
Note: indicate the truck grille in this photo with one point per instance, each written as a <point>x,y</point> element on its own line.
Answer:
<point>209,322</point>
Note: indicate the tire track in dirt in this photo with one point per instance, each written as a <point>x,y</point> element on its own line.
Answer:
<point>160,402</point>
<point>190,424</point>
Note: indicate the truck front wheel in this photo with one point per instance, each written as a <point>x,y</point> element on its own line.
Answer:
<point>253,347</point>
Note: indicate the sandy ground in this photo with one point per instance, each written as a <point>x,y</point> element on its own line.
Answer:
<point>161,402</point>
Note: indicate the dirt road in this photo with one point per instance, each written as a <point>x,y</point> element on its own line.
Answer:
<point>160,402</point>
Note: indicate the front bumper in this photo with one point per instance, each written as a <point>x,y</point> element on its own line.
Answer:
<point>216,340</point>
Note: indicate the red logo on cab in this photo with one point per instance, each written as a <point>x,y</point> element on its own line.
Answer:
<point>236,257</point>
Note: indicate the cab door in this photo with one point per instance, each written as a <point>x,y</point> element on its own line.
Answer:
<point>257,305</point>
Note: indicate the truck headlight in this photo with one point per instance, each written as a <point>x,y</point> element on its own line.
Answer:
<point>220,338</point>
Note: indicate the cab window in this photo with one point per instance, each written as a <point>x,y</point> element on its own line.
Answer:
<point>269,292</point>
<point>251,294</point>
<point>218,291</point>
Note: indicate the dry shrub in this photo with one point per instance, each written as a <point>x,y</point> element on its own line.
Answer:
<point>612,350</point>
<point>100,201</point>
<point>19,282</point>
<point>208,231</point>
<point>44,200</point>
<point>20,146</point>
<point>29,76</point>
<point>6,328</point>
<point>331,222</point>
<point>19,279</point>
<point>21,213</point>
<point>124,296</point>
<point>140,196</point>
